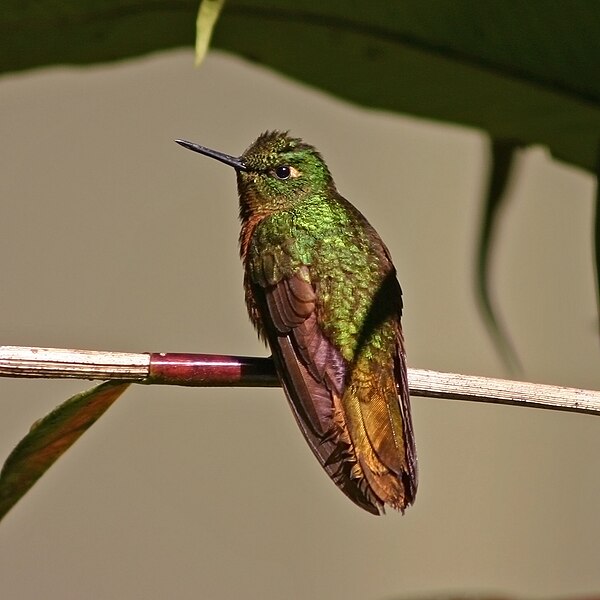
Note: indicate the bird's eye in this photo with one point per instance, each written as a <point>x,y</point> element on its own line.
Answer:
<point>283,172</point>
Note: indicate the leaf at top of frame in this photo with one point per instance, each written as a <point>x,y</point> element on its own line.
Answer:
<point>519,70</point>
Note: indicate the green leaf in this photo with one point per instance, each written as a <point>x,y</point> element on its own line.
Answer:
<point>208,13</point>
<point>50,437</point>
<point>51,32</point>
<point>525,70</point>
<point>517,70</point>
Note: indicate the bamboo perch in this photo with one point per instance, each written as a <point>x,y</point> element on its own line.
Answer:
<point>209,370</point>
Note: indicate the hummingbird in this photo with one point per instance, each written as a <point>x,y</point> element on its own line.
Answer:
<point>322,292</point>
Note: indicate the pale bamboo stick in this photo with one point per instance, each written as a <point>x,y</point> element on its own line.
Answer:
<point>19,361</point>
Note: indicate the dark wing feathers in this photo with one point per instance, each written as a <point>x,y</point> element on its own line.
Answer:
<point>411,481</point>
<point>310,368</point>
<point>323,360</point>
<point>300,387</point>
<point>291,304</point>
<point>287,309</point>
<point>313,373</point>
<point>313,406</point>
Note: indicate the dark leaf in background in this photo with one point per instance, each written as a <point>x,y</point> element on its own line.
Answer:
<point>597,235</point>
<point>525,71</point>
<point>501,163</point>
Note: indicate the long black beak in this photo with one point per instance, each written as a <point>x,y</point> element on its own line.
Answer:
<point>232,161</point>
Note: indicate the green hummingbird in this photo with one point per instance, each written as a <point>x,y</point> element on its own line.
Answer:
<point>321,290</point>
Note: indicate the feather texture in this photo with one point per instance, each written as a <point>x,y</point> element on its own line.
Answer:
<point>349,411</point>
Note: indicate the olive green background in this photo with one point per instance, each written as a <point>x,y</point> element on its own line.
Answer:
<point>114,238</point>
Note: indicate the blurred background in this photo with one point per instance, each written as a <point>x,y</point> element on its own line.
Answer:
<point>112,237</point>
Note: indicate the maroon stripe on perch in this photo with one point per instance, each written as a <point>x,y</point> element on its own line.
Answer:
<point>210,370</point>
